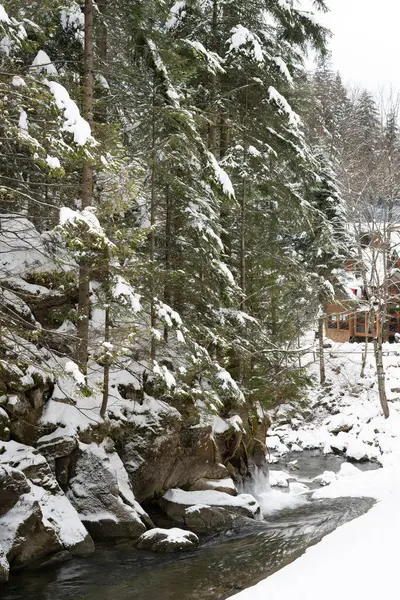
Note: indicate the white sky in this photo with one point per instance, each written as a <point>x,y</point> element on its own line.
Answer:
<point>366,42</point>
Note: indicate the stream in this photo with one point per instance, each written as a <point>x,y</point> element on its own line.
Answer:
<point>222,565</point>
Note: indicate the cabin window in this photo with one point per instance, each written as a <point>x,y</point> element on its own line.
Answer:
<point>344,322</point>
<point>360,328</point>
<point>332,321</point>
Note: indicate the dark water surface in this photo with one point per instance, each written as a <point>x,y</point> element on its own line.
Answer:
<point>222,565</point>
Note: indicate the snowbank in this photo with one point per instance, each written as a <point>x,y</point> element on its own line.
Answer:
<point>362,555</point>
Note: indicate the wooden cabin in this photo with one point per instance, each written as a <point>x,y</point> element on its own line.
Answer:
<point>346,320</point>
<point>351,324</point>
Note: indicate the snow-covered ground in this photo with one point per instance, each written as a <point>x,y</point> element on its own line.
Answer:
<point>358,560</point>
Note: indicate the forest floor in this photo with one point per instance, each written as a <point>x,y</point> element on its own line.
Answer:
<point>359,559</point>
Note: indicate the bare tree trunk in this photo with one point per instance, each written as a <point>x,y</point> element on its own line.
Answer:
<point>380,372</point>
<point>364,357</point>
<point>106,372</point>
<point>87,196</point>
<point>322,373</point>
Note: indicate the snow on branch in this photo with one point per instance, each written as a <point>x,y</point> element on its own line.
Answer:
<point>284,106</point>
<point>74,122</point>
<point>221,176</point>
<point>282,66</point>
<point>177,12</point>
<point>227,383</point>
<point>246,41</point>
<point>164,374</point>
<point>72,369</point>
<point>214,61</point>
<point>42,64</point>
<point>166,314</point>
<point>122,291</point>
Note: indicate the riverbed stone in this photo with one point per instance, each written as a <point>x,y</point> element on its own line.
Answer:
<point>175,503</point>
<point>201,518</point>
<point>168,540</point>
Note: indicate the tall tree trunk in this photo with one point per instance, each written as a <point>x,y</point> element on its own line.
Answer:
<point>153,316</point>
<point>168,243</point>
<point>213,84</point>
<point>102,45</point>
<point>86,197</point>
<point>322,372</point>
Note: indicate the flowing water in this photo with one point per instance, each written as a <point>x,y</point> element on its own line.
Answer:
<point>221,566</point>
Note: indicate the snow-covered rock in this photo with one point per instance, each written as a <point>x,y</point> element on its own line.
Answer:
<point>168,540</point>
<point>100,491</point>
<point>225,485</point>
<point>4,566</point>
<point>348,470</point>
<point>176,501</point>
<point>340,422</point>
<point>202,518</point>
<point>26,473</point>
<point>298,489</point>
<point>279,478</point>
<point>358,451</point>
<point>275,444</point>
<point>326,478</point>
<point>36,523</point>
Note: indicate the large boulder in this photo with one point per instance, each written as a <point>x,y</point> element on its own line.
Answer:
<point>25,474</point>
<point>13,484</point>
<point>26,536</point>
<point>26,395</point>
<point>240,436</point>
<point>168,540</point>
<point>162,452</point>
<point>176,502</point>
<point>100,491</point>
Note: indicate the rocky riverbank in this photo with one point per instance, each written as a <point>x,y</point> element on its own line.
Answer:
<point>69,479</point>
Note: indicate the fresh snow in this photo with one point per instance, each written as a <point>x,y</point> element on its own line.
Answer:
<point>53,162</point>
<point>173,535</point>
<point>221,176</point>
<point>212,498</point>
<point>42,64</point>
<point>74,122</point>
<point>123,291</point>
<point>4,16</point>
<point>23,121</point>
<point>17,81</point>
<point>242,38</point>
<point>72,369</point>
<point>284,106</point>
